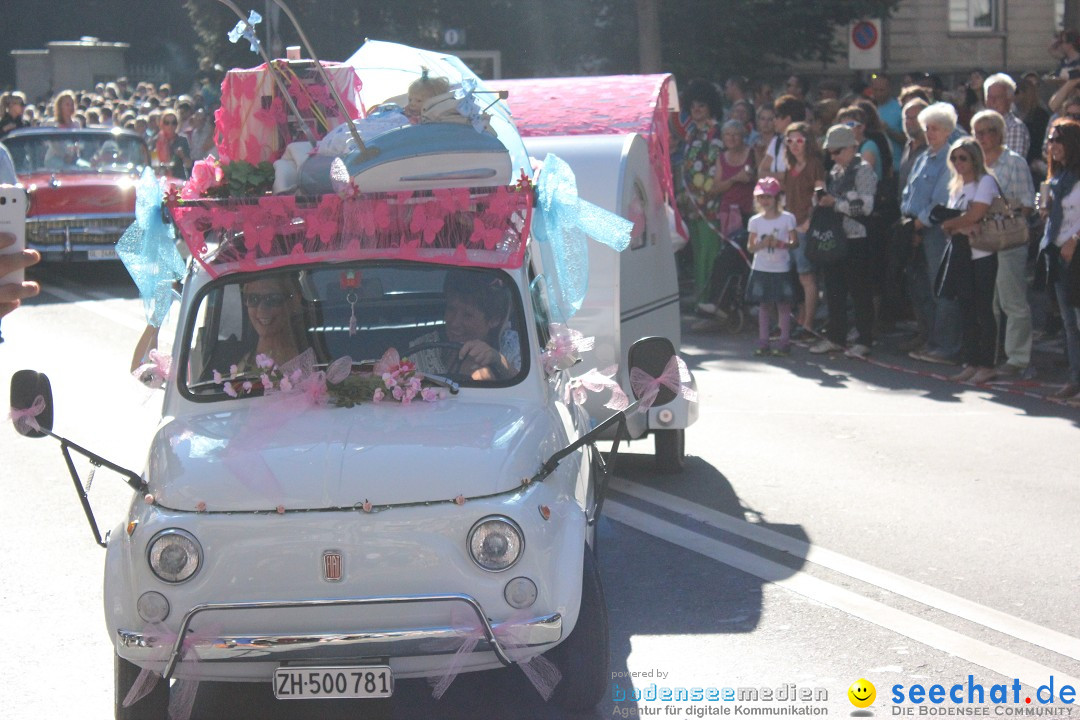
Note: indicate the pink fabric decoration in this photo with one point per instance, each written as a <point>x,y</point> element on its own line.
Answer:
<point>577,389</point>
<point>621,104</point>
<point>674,375</point>
<point>27,417</point>
<point>182,697</point>
<point>541,672</point>
<point>157,372</point>
<point>276,231</point>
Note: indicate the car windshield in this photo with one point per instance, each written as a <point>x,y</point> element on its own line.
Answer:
<point>459,324</point>
<point>77,152</point>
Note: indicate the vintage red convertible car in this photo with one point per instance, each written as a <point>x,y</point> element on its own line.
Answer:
<point>81,185</point>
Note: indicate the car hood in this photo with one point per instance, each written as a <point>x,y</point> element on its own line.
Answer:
<point>80,194</point>
<point>259,457</point>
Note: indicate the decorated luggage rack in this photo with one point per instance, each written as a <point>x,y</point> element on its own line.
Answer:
<point>481,227</point>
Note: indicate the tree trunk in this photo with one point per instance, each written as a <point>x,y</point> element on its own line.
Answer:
<point>648,17</point>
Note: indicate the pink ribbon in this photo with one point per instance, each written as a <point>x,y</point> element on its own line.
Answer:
<point>182,697</point>
<point>27,418</point>
<point>646,387</point>
<point>578,388</point>
<point>561,352</point>
<point>541,672</point>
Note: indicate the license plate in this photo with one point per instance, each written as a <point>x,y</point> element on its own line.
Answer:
<point>101,254</point>
<point>312,683</point>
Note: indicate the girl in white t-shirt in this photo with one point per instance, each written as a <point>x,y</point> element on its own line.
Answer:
<point>772,235</point>
<point>972,189</point>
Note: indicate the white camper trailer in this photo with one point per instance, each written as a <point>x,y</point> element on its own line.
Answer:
<point>620,162</point>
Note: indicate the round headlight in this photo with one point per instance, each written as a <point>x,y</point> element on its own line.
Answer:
<point>174,555</point>
<point>495,543</point>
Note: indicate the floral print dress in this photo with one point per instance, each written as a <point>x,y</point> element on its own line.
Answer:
<point>703,148</point>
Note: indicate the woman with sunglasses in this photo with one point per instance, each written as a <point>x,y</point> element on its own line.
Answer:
<point>1062,231</point>
<point>806,173</point>
<point>275,311</point>
<point>171,150</point>
<point>972,189</point>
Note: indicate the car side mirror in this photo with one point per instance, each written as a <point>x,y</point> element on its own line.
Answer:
<point>27,386</point>
<point>652,355</point>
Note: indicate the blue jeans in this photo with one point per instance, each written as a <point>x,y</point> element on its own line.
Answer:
<point>940,316</point>
<point>1070,317</point>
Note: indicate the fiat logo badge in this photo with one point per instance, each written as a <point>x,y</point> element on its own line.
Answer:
<point>331,563</point>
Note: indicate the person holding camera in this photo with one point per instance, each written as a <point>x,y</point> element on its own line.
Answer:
<point>850,190</point>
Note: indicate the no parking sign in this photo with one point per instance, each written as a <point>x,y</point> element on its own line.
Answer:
<point>864,45</point>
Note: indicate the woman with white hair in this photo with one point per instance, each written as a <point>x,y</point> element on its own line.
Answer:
<point>927,186</point>
<point>1012,173</point>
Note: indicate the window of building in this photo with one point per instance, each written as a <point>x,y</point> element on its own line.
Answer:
<point>973,15</point>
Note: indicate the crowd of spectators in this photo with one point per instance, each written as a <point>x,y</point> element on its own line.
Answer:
<point>178,127</point>
<point>921,154</point>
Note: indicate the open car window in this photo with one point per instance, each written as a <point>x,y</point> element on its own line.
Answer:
<point>465,325</point>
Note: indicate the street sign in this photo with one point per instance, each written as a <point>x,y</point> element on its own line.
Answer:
<point>864,45</point>
<point>453,37</point>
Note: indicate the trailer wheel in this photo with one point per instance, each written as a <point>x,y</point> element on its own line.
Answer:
<point>670,450</point>
<point>153,706</point>
<point>735,321</point>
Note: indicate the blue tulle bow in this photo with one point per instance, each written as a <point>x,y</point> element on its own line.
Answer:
<point>468,106</point>
<point>246,29</point>
<point>148,250</point>
<point>562,225</point>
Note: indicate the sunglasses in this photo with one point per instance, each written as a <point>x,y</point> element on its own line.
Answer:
<point>960,158</point>
<point>834,153</point>
<point>168,122</point>
<point>270,300</point>
<point>795,140</point>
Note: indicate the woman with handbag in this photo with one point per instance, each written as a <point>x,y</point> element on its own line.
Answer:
<point>1014,177</point>
<point>972,189</point>
<point>1058,245</point>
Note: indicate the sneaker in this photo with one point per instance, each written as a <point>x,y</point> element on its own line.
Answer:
<point>858,350</point>
<point>762,352</point>
<point>707,308</point>
<point>1067,391</point>
<point>965,374</point>
<point>984,375</point>
<point>931,357</point>
<point>782,351</point>
<point>825,346</point>
<point>1010,370</point>
<point>853,335</point>
<point>802,333</point>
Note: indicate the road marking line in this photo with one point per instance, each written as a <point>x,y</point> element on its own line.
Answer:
<point>939,599</point>
<point>95,306</point>
<point>923,631</point>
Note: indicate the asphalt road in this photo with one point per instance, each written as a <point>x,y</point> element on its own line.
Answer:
<point>837,519</point>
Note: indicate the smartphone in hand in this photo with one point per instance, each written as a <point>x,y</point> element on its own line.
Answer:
<point>13,220</point>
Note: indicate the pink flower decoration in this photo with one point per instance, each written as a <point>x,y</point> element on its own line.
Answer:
<point>200,506</point>
<point>230,390</point>
<point>459,500</point>
<point>264,361</point>
<point>280,509</point>
<point>367,505</point>
<point>378,395</point>
<point>148,499</point>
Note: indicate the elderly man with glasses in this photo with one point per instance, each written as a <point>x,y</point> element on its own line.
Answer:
<point>1000,90</point>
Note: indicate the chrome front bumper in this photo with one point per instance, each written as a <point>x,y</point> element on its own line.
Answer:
<point>409,642</point>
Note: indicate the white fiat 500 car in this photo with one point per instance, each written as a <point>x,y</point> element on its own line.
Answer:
<point>333,522</point>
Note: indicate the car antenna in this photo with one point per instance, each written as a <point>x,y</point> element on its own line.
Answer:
<point>326,79</point>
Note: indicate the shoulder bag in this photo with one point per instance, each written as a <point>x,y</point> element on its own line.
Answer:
<point>1002,228</point>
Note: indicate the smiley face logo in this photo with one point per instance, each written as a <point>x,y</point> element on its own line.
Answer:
<point>862,693</point>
